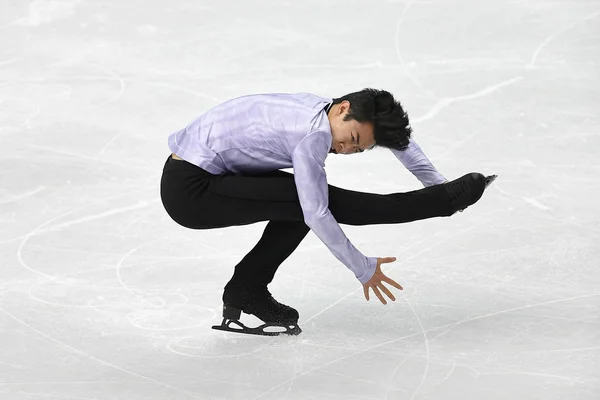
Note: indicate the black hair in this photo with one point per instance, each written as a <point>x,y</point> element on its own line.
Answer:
<point>391,127</point>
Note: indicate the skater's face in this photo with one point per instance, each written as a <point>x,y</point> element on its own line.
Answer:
<point>348,137</point>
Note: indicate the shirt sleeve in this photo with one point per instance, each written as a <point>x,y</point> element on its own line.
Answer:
<point>417,162</point>
<point>308,159</point>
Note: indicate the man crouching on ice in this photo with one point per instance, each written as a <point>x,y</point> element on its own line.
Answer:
<point>224,170</point>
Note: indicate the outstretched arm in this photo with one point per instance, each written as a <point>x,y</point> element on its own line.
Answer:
<point>308,160</point>
<point>417,162</point>
<point>311,182</point>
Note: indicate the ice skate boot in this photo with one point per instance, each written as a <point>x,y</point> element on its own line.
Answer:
<point>467,190</point>
<point>262,305</point>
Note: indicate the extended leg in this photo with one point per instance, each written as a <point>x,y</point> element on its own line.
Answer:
<point>199,200</point>
<point>221,201</point>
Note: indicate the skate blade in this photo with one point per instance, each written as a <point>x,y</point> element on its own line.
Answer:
<point>489,180</point>
<point>291,329</point>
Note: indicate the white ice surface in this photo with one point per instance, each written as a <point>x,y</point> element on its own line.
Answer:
<point>102,296</point>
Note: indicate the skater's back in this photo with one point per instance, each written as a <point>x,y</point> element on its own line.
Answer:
<point>253,133</point>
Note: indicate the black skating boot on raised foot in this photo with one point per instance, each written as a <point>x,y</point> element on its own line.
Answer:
<point>466,190</point>
<point>261,304</point>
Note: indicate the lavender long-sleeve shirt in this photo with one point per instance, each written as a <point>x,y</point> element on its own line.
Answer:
<point>265,132</point>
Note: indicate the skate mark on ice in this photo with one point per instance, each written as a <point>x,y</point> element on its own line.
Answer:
<point>451,325</point>
<point>358,379</point>
<point>108,144</point>
<point>185,90</point>
<point>98,360</point>
<point>40,229</point>
<point>447,328</point>
<point>369,65</point>
<point>445,102</point>
<point>396,389</point>
<point>25,120</point>
<point>115,211</point>
<point>309,282</point>
<point>509,371</point>
<point>11,365</point>
<point>545,42</point>
<point>89,158</point>
<point>479,353</point>
<point>11,61</point>
<point>554,317</point>
<point>34,297</point>
<point>156,260</point>
<point>466,320</point>
<point>291,383</point>
<point>407,356</point>
<point>441,334</point>
<point>426,343</point>
<point>310,371</point>
<point>176,346</point>
<point>496,252</point>
<point>589,228</point>
<point>22,196</point>
<point>121,85</point>
<point>145,297</point>
<point>448,375</point>
<point>403,64</point>
<point>54,396</point>
<point>46,12</point>
<point>516,372</point>
<point>398,353</point>
<point>536,203</point>
<point>127,226</point>
<point>120,278</point>
<point>66,383</point>
<point>529,200</point>
<point>109,75</point>
<point>114,76</point>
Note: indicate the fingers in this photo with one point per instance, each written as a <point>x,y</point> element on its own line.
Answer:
<point>379,295</point>
<point>380,286</point>
<point>386,260</point>
<point>387,292</point>
<point>392,282</point>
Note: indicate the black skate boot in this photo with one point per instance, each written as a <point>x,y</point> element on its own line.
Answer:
<point>261,304</point>
<point>466,190</point>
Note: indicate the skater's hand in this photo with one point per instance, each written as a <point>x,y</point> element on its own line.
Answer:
<point>376,282</point>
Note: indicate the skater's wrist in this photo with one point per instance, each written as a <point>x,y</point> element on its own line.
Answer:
<point>367,274</point>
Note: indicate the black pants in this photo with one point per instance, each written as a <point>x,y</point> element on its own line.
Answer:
<point>197,199</point>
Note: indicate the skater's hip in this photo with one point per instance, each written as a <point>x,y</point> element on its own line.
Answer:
<point>176,163</point>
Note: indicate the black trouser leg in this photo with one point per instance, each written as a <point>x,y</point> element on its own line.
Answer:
<point>278,241</point>
<point>198,200</point>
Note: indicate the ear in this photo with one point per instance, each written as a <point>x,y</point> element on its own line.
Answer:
<point>344,107</point>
